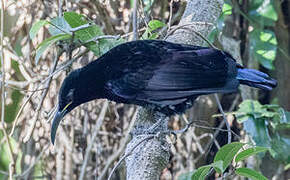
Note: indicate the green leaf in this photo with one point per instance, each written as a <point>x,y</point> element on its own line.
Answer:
<point>5,155</point>
<point>268,126</point>
<point>185,176</point>
<point>152,26</point>
<point>227,9</point>
<point>147,4</point>
<point>48,42</point>
<point>249,109</point>
<point>263,47</point>
<point>146,34</point>
<point>285,116</point>
<point>13,107</point>
<point>267,10</point>
<point>201,173</point>
<point>258,130</point>
<point>263,13</point>
<point>213,35</point>
<point>74,19</point>
<point>268,37</point>
<point>280,145</point>
<point>218,165</point>
<point>266,58</point>
<point>227,154</point>
<point>249,152</point>
<point>38,169</point>
<point>153,36</point>
<point>255,4</point>
<point>250,173</point>
<point>107,44</point>
<point>59,26</point>
<point>86,34</point>
<point>131,4</point>
<point>287,167</point>
<point>155,24</point>
<point>35,28</point>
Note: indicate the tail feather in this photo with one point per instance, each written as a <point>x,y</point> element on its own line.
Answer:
<point>256,79</point>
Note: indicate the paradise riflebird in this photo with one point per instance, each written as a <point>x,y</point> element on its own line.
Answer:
<point>164,76</point>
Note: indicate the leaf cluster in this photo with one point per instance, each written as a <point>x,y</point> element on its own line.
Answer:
<point>72,30</point>
<point>223,159</point>
<point>261,16</point>
<point>268,125</point>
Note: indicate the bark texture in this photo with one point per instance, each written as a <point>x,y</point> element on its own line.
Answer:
<point>152,155</point>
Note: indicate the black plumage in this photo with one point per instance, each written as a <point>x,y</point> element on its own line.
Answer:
<point>161,75</point>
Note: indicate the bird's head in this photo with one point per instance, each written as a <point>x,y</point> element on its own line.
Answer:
<point>67,100</point>
<point>80,86</point>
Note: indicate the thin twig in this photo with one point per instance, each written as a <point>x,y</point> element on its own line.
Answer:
<point>4,173</point>
<point>15,122</point>
<point>217,130</point>
<point>135,20</point>
<point>59,163</point>
<point>24,90</point>
<point>10,152</point>
<point>170,15</point>
<point>60,29</point>
<point>128,154</point>
<point>80,27</point>
<point>96,129</point>
<point>33,164</point>
<point>224,117</point>
<point>59,8</point>
<point>2,67</point>
<point>142,14</point>
<point>44,93</point>
<point>130,33</point>
<point>25,71</point>
<point>19,84</point>
<point>105,17</point>
<point>192,123</point>
<point>62,67</point>
<point>97,38</point>
<point>65,65</point>
<point>12,162</point>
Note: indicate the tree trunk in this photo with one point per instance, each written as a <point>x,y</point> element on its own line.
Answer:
<point>151,156</point>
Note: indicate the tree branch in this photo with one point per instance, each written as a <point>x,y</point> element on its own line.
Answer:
<point>135,20</point>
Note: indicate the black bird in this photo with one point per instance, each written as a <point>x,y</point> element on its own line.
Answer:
<point>161,75</point>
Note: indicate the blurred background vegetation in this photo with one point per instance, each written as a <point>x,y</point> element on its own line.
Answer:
<point>44,40</point>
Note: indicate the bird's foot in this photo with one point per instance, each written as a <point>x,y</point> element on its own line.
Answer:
<point>180,131</point>
<point>154,130</point>
<point>183,130</point>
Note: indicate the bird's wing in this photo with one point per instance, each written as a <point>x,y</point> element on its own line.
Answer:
<point>171,76</point>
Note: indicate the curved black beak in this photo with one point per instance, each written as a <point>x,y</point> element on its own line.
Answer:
<point>56,120</point>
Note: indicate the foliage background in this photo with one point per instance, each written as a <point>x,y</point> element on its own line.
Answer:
<point>35,68</point>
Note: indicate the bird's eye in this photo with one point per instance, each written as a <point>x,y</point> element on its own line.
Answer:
<point>70,95</point>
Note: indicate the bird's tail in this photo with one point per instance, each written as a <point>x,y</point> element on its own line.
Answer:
<point>256,79</point>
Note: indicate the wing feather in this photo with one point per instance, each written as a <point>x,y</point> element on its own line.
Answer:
<point>173,75</point>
